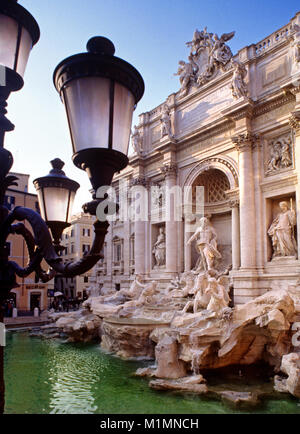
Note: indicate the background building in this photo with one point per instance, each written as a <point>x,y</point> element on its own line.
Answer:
<point>233,128</point>
<point>29,294</point>
<point>77,240</point>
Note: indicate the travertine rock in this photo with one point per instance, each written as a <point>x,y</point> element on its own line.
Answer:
<point>80,326</point>
<point>166,355</point>
<point>127,341</point>
<point>290,366</point>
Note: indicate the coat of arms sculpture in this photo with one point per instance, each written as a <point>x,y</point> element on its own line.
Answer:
<point>208,54</point>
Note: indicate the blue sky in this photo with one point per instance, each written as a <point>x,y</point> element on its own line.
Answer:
<point>149,34</point>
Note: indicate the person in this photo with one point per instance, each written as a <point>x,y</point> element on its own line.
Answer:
<point>159,248</point>
<point>206,239</point>
<point>281,232</point>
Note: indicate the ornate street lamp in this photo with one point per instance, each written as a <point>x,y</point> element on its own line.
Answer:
<point>56,193</point>
<point>100,92</point>
<point>18,33</point>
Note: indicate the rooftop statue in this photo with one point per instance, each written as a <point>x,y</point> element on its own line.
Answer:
<point>208,54</point>
<point>295,45</point>
<point>238,86</point>
<point>137,141</point>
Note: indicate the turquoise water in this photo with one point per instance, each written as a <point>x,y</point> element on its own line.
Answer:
<point>45,376</point>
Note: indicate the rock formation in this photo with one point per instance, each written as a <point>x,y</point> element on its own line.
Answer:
<point>190,330</point>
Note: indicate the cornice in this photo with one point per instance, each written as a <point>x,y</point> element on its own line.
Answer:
<point>272,103</point>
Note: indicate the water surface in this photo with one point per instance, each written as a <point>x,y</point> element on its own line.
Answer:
<point>45,376</point>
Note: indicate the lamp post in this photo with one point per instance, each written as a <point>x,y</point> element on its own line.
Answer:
<point>100,92</point>
<point>18,33</point>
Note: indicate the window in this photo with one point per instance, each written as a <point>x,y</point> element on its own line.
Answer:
<point>72,233</point>
<point>86,232</point>
<point>72,248</point>
<point>117,249</point>
<point>66,250</point>
<point>118,286</point>
<point>86,279</point>
<point>85,248</point>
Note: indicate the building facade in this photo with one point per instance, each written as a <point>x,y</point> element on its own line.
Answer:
<point>233,128</point>
<point>77,240</point>
<point>29,294</point>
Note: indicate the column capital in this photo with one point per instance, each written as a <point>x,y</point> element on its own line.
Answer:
<point>141,180</point>
<point>169,170</point>
<point>245,142</point>
<point>234,203</point>
<point>294,121</point>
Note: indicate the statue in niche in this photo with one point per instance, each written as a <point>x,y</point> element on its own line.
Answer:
<point>238,86</point>
<point>280,153</point>
<point>137,141</point>
<point>166,128</point>
<point>206,242</point>
<point>281,232</point>
<point>159,248</point>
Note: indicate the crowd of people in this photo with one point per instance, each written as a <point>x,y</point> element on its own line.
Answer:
<point>65,304</point>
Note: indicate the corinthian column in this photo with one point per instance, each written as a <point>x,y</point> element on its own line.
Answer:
<point>244,144</point>
<point>170,172</point>
<point>235,222</point>
<point>140,236</point>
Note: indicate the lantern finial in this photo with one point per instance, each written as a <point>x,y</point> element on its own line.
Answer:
<point>100,45</point>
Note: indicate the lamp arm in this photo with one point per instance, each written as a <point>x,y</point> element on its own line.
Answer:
<point>45,248</point>
<point>90,259</point>
<point>35,257</point>
<point>42,237</point>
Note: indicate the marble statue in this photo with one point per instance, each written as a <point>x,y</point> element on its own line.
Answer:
<point>208,53</point>
<point>175,290</point>
<point>159,248</point>
<point>280,155</point>
<point>238,86</point>
<point>166,128</point>
<point>206,241</point>
<point>137,141</point>
<point>186,75</point>
<point>220,52</point>
<point>132,293</point>
<point>296,46</point>
<point>211,295</point>
<point>281,232</point>
<point>145,297</point>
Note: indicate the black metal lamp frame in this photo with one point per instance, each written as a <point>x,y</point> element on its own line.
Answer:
<point>100,165</point>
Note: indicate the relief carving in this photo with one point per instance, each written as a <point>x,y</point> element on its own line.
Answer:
<point>280,154</point>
